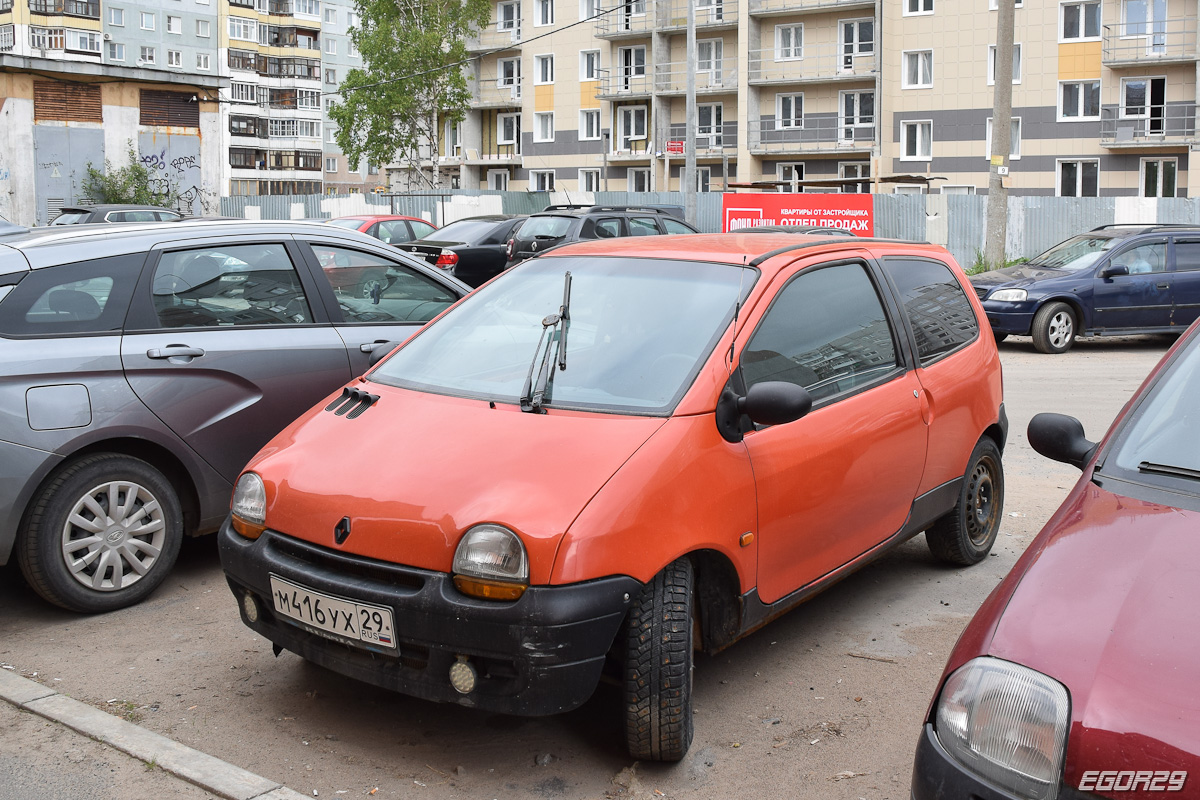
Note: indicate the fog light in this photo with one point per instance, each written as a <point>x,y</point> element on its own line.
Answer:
<point>250,607</point>
<point>462,676</point>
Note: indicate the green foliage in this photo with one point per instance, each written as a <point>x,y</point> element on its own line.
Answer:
<point>412,80</point>
<point>981,264</point>
<point>132,184</point>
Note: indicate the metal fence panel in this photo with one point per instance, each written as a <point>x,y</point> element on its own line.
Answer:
<point>900,216</point>
<point>966,221</point>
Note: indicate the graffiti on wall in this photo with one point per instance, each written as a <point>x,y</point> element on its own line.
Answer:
<point>174,164</point>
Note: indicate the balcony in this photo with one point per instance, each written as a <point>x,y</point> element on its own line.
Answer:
<point>496,93</point>
<point>1163,125</point>
<point>814,134</point>
<point>814,63</point>
<point>618,20</point>
<point>496,36</point>
<point>709,142</point>
<point>672,78</point>
<point>769,7</point>
<point>710,14</point>
<point>88,9</point>
<point>496,155</point>
<point>1172,40</point>
<point>616,85</point>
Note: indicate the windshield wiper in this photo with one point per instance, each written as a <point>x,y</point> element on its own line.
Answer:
<point>1169,469</point>
<point>534,392</point>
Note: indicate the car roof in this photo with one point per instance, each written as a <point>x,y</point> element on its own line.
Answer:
<point>380,218</point>
<point>115,207</point>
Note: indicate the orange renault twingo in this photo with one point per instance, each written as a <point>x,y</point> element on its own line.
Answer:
<point>620,452</point>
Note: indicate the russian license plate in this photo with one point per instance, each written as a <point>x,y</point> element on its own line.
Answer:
<point>345,619</point>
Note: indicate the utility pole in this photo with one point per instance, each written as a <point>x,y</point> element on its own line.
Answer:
<point>689,138</point>
<point>997,202</point>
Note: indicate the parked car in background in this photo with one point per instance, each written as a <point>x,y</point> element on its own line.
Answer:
<point>1112,280</point>
<point>617,453</point>
<point>387,228</point>
<point>1077,677</point>
<point>564,224</point>
<point>143,365</point>
<point>474,249</point>
<point>78,215</point>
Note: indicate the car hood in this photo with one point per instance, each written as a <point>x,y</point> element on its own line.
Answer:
<point>416,470</point>
<point>1016,276</point>
<point>1109,608</point>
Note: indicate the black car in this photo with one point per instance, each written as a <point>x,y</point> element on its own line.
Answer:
<point>109,212</point>
<point>815,230</point>
<point>1112,280</point>
<point>562,224</point>
<point>473,249</point>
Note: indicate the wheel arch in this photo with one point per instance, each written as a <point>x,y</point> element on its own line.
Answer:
<point>718,600</point>
<point>1082,319</point>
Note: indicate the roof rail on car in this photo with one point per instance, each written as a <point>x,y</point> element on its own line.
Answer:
<point>754,262</point>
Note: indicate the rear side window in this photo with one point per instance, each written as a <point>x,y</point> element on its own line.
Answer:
<point>940,314</point>
<point>374,290</point>
<point>550,227</point>
<point>86,297</point>
<point>421,229</point>
<point>675,226</point>
<point>642,226</point>
<point>69,218</point>
<point>393,231</point>
<point>1187,254</point>
<point>608,228</point>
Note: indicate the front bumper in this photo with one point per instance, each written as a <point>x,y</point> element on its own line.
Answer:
<point>542,654</point>
<point>1009,318</point>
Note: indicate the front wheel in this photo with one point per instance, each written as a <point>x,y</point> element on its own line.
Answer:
<point>658,667</point>
<point>966,534</point>
<point>102,535</point>
<point>1053,328</point>
<point>373,282</point>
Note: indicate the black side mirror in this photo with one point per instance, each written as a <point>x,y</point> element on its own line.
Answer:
<point>1114,269</point>
<point>379,351</point>
<point>767,403</point>
<point>1060,438</point>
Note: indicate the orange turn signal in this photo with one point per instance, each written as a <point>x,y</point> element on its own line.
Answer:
<point>251,530</point>
<point>489,590</point>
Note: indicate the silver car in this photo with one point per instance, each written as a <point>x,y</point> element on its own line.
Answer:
<point>144,364</point>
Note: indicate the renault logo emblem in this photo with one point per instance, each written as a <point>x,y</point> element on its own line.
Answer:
<point>341,531</point>
<point>533,247</point>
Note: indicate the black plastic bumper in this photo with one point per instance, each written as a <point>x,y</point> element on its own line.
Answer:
<point>541,654</point>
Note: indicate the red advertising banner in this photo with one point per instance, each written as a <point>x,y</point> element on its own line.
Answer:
<point>675,147</point>
<point>854,212</point>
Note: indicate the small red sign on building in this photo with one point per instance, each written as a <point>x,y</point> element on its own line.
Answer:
<point>675,148</point>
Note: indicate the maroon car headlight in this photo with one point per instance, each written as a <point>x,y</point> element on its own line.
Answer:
<point>1006,723</point>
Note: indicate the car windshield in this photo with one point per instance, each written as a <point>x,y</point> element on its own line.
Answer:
<point>69,218</point>
<point>1160,446</point>
<point>550,227</point>
<point>1076,253</point>
<point>465,230</point>
<point>639,330</point>
<point>352,224</point>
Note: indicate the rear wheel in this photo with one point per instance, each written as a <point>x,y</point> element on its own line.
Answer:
<point>658,667</point>
<point>1054,328</point>
<point>966,534</point>
<point>1000,337</point>
<point>375,280</point>
<point>102,535</point>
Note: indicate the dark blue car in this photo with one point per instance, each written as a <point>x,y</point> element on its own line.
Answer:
<point>1113,280</point>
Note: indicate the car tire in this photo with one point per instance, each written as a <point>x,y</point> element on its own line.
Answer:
<point>1000,337</point>
<point>368,283</point>
<point>966,534</point>
<point>658,667</point>
<point>75,559</point>
<point>1054,328</point>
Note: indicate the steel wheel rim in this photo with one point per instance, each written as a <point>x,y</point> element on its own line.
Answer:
<point>981,504</point>
<point>113,536</point>
<point>1060,329</point>
<point>368,286</point>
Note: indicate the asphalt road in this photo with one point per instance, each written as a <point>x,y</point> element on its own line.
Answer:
<point>826,702</point>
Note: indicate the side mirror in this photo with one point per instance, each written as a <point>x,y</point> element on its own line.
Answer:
<point>1060,438</point>
<point>767,403</point>
<point>1113,270</point>
<point>379,351</point>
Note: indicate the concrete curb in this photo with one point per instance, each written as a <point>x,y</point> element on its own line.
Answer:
<point>210,774</point>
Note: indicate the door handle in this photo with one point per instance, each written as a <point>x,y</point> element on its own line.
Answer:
<point>174,351</point>
<point>1162,286</point>
<point>367,347</point>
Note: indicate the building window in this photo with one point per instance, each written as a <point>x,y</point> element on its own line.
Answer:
<point>311,8</point>
<point>638,180</point>
<point>589,180</point>
<point>174,25</point>
<point>589,65</point>
<point>789,110</point>
<point>243,30</point>
<point>1142,18</point>
<point>631,124</point>
<point>541,180</point>
<point>83,41</point>
<point>543,127</point>
<point>148,55</point>
<point>703,179</point>
<point>498,179</point>
<point>46,38</point>
<point>1016,64</point>
<point>331,16</point>
<point>351,50</point>
<point>545,12</point>
<point>918,69</point>
<point>957,189</point>
<point>857,111</point>
<point>789,42</point>
<point>351,19</point>
<point>308,98</point>
<point>588,8</point>
<point>508,127</point>
<point>633,64</point>
<point>330,46</point>
<point>116,52</point>
<point>174,58</point>
<point>147,20</point>
<point>331,76</point>
<point>857,175</point>
<point>912,7</point>
<point>858,38</point>
<point>1080,21</point>
<point>1079,100</point>
<point>543,69</point>
<point>710,124</point>
<point>331,164</point>
<point>790,177</point>
<point>203,29</point>
<point>589,124</point>
<point>243,92</point>
<point>282,128</point>
<point>916,138</point>
<point>308,128</point>
<point>1078,178</point>
<point>116,17</point>
<point>330,134</point>
<point>1014,140</point>
<point>452,138</point>
<point>510,75</point>
<point>709,56</point>
<point>1158,177</point>
<point>508,17</point>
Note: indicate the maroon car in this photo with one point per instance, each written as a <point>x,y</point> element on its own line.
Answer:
<point>1079,677</point>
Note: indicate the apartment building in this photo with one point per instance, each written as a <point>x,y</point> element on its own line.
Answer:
<point>271,52</point>
<point>831,95</point>
<point>338,57</point>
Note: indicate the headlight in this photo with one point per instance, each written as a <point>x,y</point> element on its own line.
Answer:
<point>490,562</point>
<point>1010,296</point>
<point>249,506</point>
<point>1007,723</point>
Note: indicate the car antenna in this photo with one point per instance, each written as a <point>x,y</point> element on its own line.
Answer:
<point>737,309</point>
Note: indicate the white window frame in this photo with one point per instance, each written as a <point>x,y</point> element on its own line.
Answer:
<point>1062,117</point>
<point>927,140</point>
<point>1146,105</point>
<point>795,182</point>
<point>1058,165</point>
<point>1083,37</point>
<point>846,124</point>
<point>330,76</point>
<point>116,51</point>
<point>922,8</point>
<point>589,176</point>
<point>955,187</point>
<point>905,55</point>
<point>910,189</point>
<point>330,16</point>
<point>330,46</point>
<point>631,110</point>
<point>1142,175</point>
<point>584,115</point>
<point>715,60</point>
<point>588,9</point>
<point>710,138</point>
<point>238,92</point>
<point>513,81</point>
<point>511,23</point>
<point>543,70</point>
<point>331,161</point>
<point>1014,143</point>
<point>992,5</point>
<point>592,73</point>
<point>116,17</point>
<point>498,173</point>
<point>203,62</point>
<point>500,120</point>
<point>543,13</point>
<point>175,25</point>
<point>175,58</point>
<point>148,55</point>
<point>794,51</point>
<point>537,177</point>
<point>857,166</point>
<point>330,133</point>
<point>991,80</point>
<point>203,29</point>
<point>633,174</point>
<point>796,121</point>
<point>150,16</point>
<point>703,179</point>
<point>243,29</point>
<point>543,124</point>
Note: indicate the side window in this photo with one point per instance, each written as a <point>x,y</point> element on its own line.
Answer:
<point>393,231</point>
<point>235,285</point>
<point>372,289</point>
<point>675,226</point>
<point>87,297</point>
<point>1150,257</point>
<point>940,314</point>
<point>643,226</point>
<point>1187,255</point>
<point>825,331</point>
<point>421,229</point>
<point>608,228</point>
